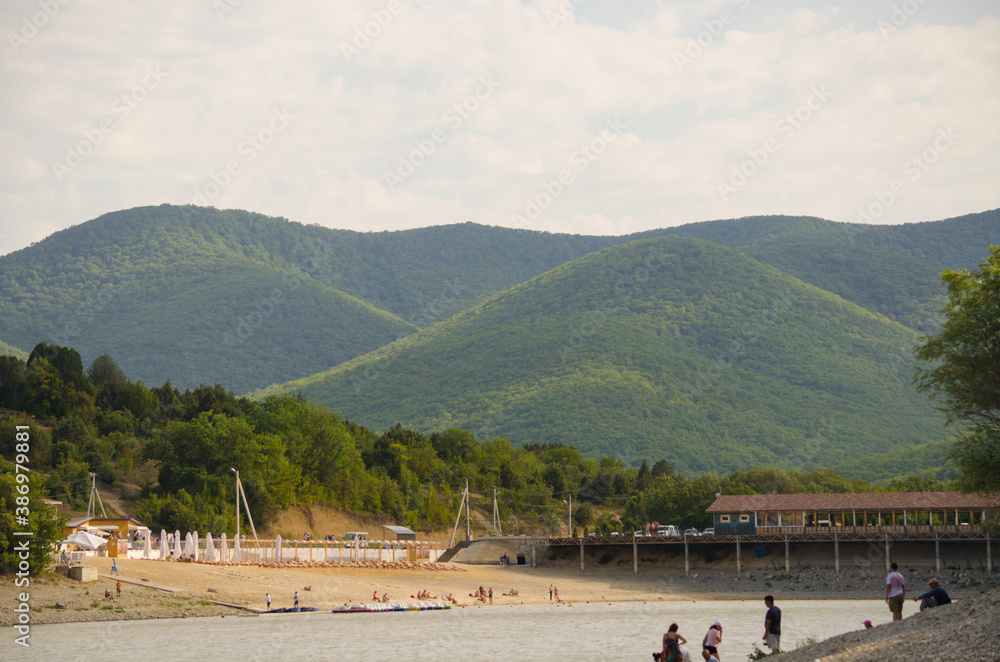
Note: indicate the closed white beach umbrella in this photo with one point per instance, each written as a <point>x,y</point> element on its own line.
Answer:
<point>209,548</point>
<point>223,548</point>
<point>277,548</point>
<point>237,555</point>
<point>163,544</point>
<point>147,547</point>
<point>188,544</point>
<point>177,544</point>
<point>194,537</point>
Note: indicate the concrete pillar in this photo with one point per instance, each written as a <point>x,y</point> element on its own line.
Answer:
<point>788,564</point>
<point>581,555</point>
<point>937,555</point>
<point>887,561</point>
<point>635,557</point>
<point>836,555</point>
<point>687,558</point>
<point>739,560</point>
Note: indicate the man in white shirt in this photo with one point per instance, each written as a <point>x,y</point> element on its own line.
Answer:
<point>895,592</point>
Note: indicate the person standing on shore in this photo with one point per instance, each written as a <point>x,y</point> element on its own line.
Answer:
<point>491,595</point>
<point>772,626</point>
<point>550,592</point>
<point>296,598</point>
<point>710,644</point>
<point>118,588</point>
<point>114,567</point>
<point>672,651</point>
<point>895,592</point>
<point>267,598</point>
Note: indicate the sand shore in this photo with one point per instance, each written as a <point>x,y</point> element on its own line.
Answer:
<point>164,589</point>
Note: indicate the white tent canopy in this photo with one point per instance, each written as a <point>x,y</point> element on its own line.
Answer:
<point>86,540</point>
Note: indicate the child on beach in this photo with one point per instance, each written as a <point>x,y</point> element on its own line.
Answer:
<point>710,644</point>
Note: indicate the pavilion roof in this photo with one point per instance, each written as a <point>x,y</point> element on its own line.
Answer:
<point>870,501</point>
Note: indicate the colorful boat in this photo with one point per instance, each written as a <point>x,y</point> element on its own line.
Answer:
<point>372,607</point>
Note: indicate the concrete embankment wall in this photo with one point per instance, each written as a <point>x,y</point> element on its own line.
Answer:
<point>488,552</point>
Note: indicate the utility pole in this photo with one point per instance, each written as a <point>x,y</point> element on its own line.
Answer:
<point>569,523</point>
<point>497,524</point>
<point>237,501</point>
<point>468,526</point>
<point>458,515</point>
<point>91,510</point>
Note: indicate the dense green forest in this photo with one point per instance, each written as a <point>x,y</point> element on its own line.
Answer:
<point>200,295</point>
<point>668,347</point>
<point>292,452</point>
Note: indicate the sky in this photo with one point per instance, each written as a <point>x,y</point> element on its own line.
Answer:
<point>577,116</point>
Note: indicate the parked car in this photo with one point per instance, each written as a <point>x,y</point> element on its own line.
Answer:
<point>691,532</point>
<point>637,534</point>
<point>667,531</point>
<point>710,531</point>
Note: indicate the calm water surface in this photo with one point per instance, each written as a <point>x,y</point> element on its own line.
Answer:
<point>622,631</point>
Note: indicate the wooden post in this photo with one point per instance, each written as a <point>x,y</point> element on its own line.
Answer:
<point>937,554</point>
<point>581,554</point>
<point>788,565</point>
<point>739,561</point>
<point>687,559</point>
<point>635,557</point>
<point>989,557</point>
<point>887,561</point>
<point>836,554</point>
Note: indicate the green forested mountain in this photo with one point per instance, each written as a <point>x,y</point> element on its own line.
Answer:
<point>669,347</point>
<point>10,350</point>
<point>892,270</point>
<point>200,295</point>
<point>195,300</point>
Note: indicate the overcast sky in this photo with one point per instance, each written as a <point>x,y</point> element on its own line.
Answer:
<point>593,116</point>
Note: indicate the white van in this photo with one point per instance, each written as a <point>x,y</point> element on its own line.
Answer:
<point>668,531</point>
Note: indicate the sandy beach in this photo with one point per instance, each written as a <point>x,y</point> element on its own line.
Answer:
<point>166,589</point>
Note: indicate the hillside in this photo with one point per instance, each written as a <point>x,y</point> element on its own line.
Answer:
<point>10,350</point>
<point>176,301</point>
<point>185,293</point>
<point>671,347</point>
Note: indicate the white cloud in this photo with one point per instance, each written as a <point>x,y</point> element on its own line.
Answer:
<point>556,86</point>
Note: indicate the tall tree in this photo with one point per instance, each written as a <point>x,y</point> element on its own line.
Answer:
<point>963,371</point>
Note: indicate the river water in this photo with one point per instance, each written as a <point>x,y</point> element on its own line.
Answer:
<point>596,631</point>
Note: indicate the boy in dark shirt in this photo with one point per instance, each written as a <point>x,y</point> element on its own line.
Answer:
<point>772,626</point>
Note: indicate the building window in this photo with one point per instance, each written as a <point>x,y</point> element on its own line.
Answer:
<point>744,519</point>
<point>723,519</point>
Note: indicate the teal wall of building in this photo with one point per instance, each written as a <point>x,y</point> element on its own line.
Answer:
<point>734,527</point>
